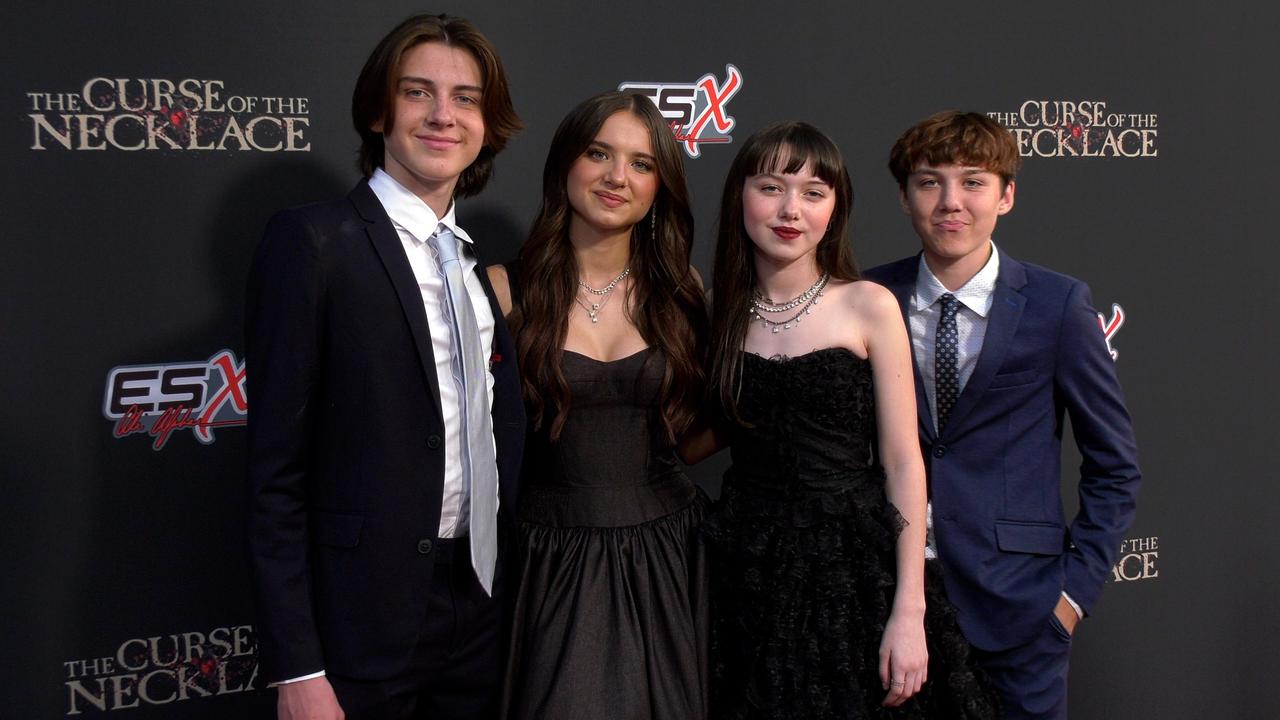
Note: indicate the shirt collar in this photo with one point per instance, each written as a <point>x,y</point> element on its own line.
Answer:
<point>409,212</point>
<point>977,294</point>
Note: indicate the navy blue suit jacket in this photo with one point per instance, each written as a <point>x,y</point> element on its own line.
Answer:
<point>994,471</point>
<point>346,452</point>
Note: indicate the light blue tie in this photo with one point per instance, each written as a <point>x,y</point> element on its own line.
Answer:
<point>479,467</point>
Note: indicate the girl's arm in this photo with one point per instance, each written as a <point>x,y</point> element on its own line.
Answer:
<point>903,654</point>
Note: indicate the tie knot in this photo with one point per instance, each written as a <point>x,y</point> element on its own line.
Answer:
<point>445,243</point>
<point>949,304</point>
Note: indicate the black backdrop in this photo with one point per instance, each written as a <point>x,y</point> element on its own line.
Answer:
<point>125,585</point>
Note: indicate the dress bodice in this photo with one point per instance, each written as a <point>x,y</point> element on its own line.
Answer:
<point>612,464</point>
<point>810,418</point>
<point>613,434</point>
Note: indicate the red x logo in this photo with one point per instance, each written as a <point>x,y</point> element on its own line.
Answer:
<point>717,97</point>
<point>1109,327</point>
<point>233,377</point>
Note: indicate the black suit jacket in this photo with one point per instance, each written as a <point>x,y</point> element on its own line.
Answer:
<point>346,456</point>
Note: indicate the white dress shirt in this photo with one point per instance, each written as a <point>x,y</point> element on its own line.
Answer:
<point>975,299</point>
<point>415,223</point>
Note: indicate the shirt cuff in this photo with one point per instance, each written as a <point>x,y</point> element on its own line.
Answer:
<point>308,677</point>
<point>1074,605</point>
<point>930,543</point>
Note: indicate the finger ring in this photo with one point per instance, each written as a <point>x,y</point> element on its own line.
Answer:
<point>896,683</point>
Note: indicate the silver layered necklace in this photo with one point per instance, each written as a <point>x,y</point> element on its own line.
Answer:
<point>595,305</point>
<point>802,304</point>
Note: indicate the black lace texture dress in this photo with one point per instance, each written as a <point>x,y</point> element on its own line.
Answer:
<point>803,547</point>
<point>610,617</point>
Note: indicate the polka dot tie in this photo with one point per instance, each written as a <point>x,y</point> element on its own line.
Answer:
<point>946,380</point>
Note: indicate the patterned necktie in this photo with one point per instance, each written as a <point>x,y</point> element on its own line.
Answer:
<point>946,379</point>
<point>479,468</point>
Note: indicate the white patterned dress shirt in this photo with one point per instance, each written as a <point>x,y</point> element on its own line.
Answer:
<point>975,299</point>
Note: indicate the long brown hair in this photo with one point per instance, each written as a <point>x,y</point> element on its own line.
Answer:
<point>667,307</point>
<point>784,147</point>
<point>373,99</point>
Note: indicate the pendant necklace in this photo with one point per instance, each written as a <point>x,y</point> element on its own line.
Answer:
<point>804,301</point>
<point>593,308</point>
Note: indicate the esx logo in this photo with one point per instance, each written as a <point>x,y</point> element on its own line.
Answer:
<point>159,399</point>
<point>695,111</point>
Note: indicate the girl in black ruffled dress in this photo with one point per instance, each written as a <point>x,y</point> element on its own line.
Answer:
<point>821,604</point>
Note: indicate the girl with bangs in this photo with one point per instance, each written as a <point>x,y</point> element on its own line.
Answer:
<point>824,606</point>
<point>610,617</point>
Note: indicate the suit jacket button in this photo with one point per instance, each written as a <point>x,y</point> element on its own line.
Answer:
<point>939,450</point>
<point>424,546</point>
<point>433,441</point>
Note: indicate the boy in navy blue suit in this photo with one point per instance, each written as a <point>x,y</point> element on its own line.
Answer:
<point>1003,351</point>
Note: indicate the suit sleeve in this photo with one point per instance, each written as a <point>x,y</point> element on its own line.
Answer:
<point>1087,387</point>
<point>283,323</point>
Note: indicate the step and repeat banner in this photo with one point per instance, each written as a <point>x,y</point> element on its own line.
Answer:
<point>146,144</point>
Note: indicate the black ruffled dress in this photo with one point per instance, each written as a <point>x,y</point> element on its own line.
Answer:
<point>803,547</point>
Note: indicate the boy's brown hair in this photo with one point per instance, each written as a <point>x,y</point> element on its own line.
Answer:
<point>952,137</point>
<point>374,96</point>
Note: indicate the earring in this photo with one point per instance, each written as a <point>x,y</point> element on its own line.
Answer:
<point>653,224</point>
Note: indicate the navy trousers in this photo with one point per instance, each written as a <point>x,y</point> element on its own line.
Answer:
<point>1032,678</point>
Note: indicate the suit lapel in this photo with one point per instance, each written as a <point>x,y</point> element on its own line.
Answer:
<point>1002,324</point>
<point>902,283</point>
<point>382,234</point>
